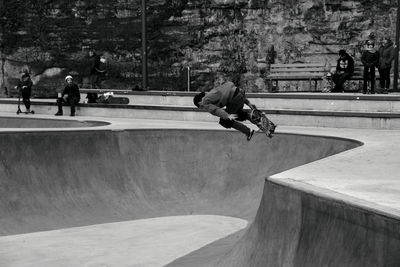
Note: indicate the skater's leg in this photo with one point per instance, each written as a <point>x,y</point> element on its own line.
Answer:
<point>372,79</point>
<point>235,125</point>
<point>59,105</point>
<point>382,79</point>
<point>27,102</point>
<point>365,79</point>
<point>243,115</point>
<point>72,101</point>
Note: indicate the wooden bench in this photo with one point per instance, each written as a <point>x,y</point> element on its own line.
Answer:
<point>312,72</point>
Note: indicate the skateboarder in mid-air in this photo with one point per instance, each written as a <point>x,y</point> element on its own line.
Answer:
<point>233,99</point>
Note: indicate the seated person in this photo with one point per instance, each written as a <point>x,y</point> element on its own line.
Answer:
<point>344,71</point>
<point>69,96</point>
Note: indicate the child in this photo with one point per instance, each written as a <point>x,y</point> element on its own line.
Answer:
<point>70,96</point>
<point>370,60</point>
<point>25,89</point>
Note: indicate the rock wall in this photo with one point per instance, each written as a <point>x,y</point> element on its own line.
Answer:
<point>218,39</point>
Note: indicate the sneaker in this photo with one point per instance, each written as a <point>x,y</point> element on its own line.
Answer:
<point>72,114</point>
<point>250,135</point>
<point>58,114</point>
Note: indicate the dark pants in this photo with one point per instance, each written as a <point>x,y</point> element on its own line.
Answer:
<point>26,99</point>
<point>71,101</point>
<point>236,107</point>
<point>339,79</point>
<point>95,83</point>
<point>369,75</point>
<point>384,76</point>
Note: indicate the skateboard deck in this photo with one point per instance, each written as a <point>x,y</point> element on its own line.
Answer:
<point>260,119</point>
<point>118,100</point>
<point>113,100</point>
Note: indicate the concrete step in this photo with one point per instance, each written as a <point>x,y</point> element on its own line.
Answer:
<point>295,101</point>
<point>290,117</point>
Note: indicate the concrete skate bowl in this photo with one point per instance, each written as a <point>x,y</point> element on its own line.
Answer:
<point>58,180</point>
<point>13,122</point>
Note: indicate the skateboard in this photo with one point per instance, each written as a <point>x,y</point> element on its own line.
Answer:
<point>118,100</point>
<point>260,119</point>
<point>109,99</point>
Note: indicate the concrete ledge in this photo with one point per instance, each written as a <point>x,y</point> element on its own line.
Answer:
<point>296,101</point>
<point>293,117</point>
<point>339,96</point>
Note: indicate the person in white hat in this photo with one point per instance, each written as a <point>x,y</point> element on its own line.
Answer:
<point>69,96</point>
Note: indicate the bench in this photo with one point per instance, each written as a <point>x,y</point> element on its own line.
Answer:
<point>312,72</point>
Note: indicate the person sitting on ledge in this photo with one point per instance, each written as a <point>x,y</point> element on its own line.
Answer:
<point>344,70</point>
<point>69,96</point>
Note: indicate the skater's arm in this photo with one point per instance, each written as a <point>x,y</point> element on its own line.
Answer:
<point>249,104</point>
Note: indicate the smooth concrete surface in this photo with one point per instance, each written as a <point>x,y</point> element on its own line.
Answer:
<point>129,243</point>
<point>352,102</point>
<point>31,121</point>
<point>324,213</point>
<point>311,116</point>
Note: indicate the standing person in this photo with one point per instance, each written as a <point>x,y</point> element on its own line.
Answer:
<point>370,60</point>
<point>229,96</point>
<point>25,90</point>
<point>344,70</point>
<point>70,96</point>
<point>386,56</point>
<point>95,73</point>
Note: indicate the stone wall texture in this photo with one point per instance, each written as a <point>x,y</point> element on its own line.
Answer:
<point>218,39</point>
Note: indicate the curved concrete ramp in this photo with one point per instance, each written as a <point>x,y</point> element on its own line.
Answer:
<point>55,180</point>
<point>296,226</point>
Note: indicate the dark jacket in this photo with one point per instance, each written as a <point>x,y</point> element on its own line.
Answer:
<point>345,64</point>
<point>95,64</point>
<point>370,58</point>
<point>217,98</point>
<point>72,91</point>
<point>25,85</point>
<point>386,56</point>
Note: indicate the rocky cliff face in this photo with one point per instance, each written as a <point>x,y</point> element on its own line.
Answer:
<point>218,39</point>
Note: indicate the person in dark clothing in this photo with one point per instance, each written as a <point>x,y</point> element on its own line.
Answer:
<point>25,90</point>
<point>233,98</point>
<point>344,71</point>
<point>370,60</point>
<point>70,96</point>
<point>386,56</point>
<point>95,75</point>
